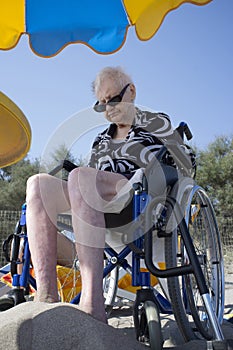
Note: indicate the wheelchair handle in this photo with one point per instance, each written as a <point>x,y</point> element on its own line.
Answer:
<point>183,129</point>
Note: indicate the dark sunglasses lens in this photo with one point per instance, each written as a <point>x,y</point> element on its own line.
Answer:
<point>112,102</point>
<point>115,100</point>
<point>99,107</point>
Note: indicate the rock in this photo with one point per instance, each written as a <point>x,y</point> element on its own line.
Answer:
<point>42,326</point>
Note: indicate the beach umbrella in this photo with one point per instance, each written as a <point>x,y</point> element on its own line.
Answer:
<point>15,132</point>
<point>100,24</point>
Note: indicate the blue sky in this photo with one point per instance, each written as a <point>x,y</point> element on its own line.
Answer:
<point>185,70</point>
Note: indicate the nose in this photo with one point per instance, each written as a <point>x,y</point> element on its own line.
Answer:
<point>109,107</point>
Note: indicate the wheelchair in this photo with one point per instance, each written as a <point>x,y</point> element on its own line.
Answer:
<point>178,214</point>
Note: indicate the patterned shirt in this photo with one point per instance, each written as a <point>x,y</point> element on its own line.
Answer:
<point>144,139</point>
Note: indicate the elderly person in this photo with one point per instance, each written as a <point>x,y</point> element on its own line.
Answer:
<point>128,144</point>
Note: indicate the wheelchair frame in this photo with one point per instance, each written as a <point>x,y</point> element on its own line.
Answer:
<point>148,304</point>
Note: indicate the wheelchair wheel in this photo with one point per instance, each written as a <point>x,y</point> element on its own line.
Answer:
<point>15,254</point>
<point>188,307</point>
<point>149,331</point>
<point>6,303</point>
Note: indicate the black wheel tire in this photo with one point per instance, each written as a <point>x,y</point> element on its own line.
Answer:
<point>150,326</point>
<point>6,303</point>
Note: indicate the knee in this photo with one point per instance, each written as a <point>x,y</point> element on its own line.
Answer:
<point>33,188</point>
<point>32,185</point>
<point>75,180</point>
<point>80,182</point>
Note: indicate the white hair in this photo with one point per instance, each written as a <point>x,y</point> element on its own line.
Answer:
<point>117,74</point>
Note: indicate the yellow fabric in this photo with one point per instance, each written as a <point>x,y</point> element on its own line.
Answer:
<point>12,19</point>
<point>67,288</point>
<point>126,281</point>
<point>148,15</point>
<point>15,132</point>
<point>68,283</point>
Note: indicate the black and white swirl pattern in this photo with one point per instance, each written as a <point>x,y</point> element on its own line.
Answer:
<point>144,139</point>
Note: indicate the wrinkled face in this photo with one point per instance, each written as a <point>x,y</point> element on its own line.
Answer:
<point>117,112</point>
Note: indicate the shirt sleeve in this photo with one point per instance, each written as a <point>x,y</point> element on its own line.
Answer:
<point>92,160</point>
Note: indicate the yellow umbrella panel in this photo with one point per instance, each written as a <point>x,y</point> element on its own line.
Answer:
<point>15,132</point>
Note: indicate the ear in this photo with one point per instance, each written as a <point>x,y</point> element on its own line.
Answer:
<point>132,91</point>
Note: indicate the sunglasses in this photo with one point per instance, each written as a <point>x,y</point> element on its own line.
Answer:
<point>112,102</point>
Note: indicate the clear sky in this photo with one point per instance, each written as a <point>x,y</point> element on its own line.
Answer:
<point>185,70</point>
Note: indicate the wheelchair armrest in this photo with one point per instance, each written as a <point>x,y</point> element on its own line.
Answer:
<point>182,160</point>
<point>64,164</point>
<point>69,166</point>
<point>158,158</point>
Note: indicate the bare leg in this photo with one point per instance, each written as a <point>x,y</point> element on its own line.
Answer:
<point>91,268</point>
<point>88,192</point>
<point>46,197</point>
